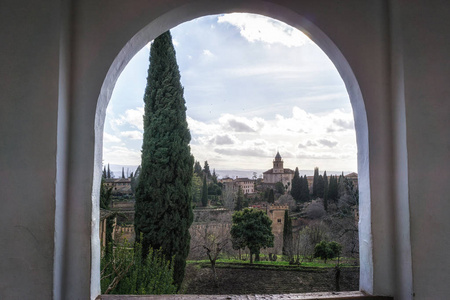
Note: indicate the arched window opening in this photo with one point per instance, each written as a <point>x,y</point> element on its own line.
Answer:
<point>239,123</point>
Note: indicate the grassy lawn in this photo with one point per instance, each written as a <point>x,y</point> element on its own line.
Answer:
<point>316,263</point>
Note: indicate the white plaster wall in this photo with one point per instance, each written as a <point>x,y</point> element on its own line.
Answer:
<point>103,30</point>
<point>52,72</point>
<point>426,49</point>
<point>29,51</point>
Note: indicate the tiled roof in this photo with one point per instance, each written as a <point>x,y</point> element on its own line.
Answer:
<point>243,179</point>
<point>286,171</point>
<point>352,175</point>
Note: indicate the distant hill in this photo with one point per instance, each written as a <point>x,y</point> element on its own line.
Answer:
<point>117,170</point>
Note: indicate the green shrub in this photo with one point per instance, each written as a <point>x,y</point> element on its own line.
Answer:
<point>325,250</point>
<point>126,273</point>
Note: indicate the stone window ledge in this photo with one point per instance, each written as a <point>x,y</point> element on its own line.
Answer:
<point>303,296</point>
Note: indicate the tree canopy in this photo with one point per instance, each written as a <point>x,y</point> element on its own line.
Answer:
<point>279,187</point>
<point>251,228</point>
<point>327,250</point>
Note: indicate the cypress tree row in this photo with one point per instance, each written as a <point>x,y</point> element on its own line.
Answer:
<point>163,212</point>
<point>305,189</point>
<point>333,189</point>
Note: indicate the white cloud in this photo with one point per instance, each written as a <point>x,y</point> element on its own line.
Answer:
<point>253,152</point>
<point>302,139</point>
<point>328,143</point>
<point>259,28</point>
<point>133,135</point>
<point>345,124</point>
<point>208,53</point>
<point>223,140</point>
<point>201,128</point>
<point>132,117</point>
<point>120,155</point>
<point>246,100</point>
<point>109,138</point>
<point>265,69</point>
<point>240,124</point>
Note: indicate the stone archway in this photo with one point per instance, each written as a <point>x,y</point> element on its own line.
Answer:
<point>354,38</point>
<point>173,18</point>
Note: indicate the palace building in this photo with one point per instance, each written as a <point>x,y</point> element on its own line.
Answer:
<point>279,173</point>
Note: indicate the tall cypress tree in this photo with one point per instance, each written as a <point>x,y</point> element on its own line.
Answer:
<point>296,190</point>
<point>239,200</point>
<point>214,176</point>
<point>206,169</point>
<point>287,236</point>
<point>315,182</point>
<point>163,212</point>
<point>204,192</point>
<point>271,199</point>
<point>325,191</point>
<point>320,187</point>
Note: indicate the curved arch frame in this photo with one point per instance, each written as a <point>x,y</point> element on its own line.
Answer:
<point>203,8</point>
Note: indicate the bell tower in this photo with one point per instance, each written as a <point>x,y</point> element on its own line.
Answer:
<point>278,164</point>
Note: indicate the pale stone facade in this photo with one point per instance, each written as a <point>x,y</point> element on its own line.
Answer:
<point>247,185</point>
<point>119,185</point>
<point>276,214</point>
<point>278,173</point>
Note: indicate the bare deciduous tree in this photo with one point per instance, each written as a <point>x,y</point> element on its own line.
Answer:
<point>210,238</point>
<point>315,210</point>
<point>308,237</point>
<point>213,248</point>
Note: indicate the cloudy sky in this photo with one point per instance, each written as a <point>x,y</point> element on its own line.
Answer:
<point>253,85</point>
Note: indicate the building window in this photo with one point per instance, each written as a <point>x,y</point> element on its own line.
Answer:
<point>279,220</point>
